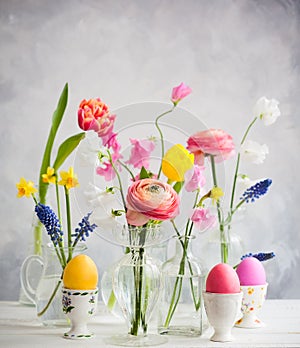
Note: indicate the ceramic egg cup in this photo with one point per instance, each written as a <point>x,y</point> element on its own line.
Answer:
<point>253,299</point>
<point>222,311</point>
<point>79,306</point>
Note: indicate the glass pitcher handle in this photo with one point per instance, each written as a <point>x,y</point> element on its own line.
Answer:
<point>25,275</point>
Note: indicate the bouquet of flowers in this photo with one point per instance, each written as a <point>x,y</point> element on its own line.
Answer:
<point>153,196</point>
<point>217,146</point>
<point>53,223</point>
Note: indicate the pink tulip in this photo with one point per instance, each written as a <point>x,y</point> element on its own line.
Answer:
<point>180,92</point>
<point>140,152</point>
<point>202,219</point>
<point>151,199</point>
<point>211,142</point>
<point>194,178</point>
<point>93,114</point>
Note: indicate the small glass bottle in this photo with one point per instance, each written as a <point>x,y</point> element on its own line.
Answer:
<point>181,310</point>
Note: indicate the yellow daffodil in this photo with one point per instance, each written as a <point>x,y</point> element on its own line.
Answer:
<point>68,179</point>
<point>49,177</point>
<point>176,162</point>
<point>216,193</point>
<point>25,188</point>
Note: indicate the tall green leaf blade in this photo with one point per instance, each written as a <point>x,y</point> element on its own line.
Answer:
<point>66,148</point>
<point>56,120</point>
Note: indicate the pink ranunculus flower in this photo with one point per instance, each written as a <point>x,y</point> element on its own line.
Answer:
<point>180,92</point>
<point>194,178</point>
<point>151,199</point>
<point>140,152</point>
<point>93,114</point>
<point>203,219</point>
<point>214,142</point>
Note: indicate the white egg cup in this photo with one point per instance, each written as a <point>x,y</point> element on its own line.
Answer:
<point>79,306</point>
<point>222,312</point>
<point>252,302</point>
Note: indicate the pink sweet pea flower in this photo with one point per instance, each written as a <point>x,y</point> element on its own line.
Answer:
<point>180,92</point>
<point>151,199</point>
<point>111,142</point>
<point>202,219</point>
<point>106,170</point>
<point>194,178</point>
<point>140,152</point>
<point>93,114</point>
<point>214,142</point>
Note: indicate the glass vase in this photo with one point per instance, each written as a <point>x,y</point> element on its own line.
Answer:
<point>136,283</point>
<point>217,246</point>
<point>181,310</point>
<point>47,294</point>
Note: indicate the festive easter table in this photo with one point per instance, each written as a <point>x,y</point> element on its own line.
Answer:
<point>20,328</point>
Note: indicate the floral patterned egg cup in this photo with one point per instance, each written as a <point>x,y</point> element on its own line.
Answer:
<point>79,306</point>
<point>252,302</point>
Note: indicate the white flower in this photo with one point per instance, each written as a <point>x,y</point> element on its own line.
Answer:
<point>267,110</point>
<point>98,198</point>
<point>254,152</point>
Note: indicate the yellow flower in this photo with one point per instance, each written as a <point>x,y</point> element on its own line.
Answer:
<point>216,193</point>
<point>49,177</point>
<point>68,179</point>
<point>25,188</point>
<point>176,162</point>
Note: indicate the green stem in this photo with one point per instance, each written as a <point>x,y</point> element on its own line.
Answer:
<point>126,168</point>
<point>37,233</point>
<point>238,164</point>
<point>161,136</point>
<point>50,299</point>
<point>119,180</point>
<point>58,203</point>
<point>69,224</point>
<point>223,239</point>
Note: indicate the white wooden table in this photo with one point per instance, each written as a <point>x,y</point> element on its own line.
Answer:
<point>20,328</point>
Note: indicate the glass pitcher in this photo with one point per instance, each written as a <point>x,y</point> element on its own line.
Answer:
<point>47,294</point>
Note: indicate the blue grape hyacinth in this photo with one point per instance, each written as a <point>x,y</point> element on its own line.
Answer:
<point>49,219</point>
<point>260,256</point>
<point>84,229</point>
<point>256,191</point>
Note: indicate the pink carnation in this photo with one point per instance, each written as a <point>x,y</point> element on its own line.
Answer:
<point>211,142</point>
<point>140,152</point>
<point>203,219</point>
<point>194,178</point>
<point>151,199</point>
<point>180,92</point>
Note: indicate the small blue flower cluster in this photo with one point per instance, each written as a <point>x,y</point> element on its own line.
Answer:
<point>49,219</point>
<point>84,229</point>
<point>257,190</point>
<point>260,256</point>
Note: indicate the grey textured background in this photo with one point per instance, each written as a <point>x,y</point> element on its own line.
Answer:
<point>229,52</point>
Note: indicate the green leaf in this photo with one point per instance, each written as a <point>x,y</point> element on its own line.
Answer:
<point>144,173</point>
<point>56,120</point>
<point>66,148</point>
<point>178,186</point>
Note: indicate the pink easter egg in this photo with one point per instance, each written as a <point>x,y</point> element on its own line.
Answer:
<point>251,272</point>
<point>222,279</point>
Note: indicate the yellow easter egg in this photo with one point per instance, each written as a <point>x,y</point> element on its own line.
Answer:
<point>80,273</point>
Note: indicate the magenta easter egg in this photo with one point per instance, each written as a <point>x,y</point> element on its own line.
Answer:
<point>251,272</point>
<point>222,279</point>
